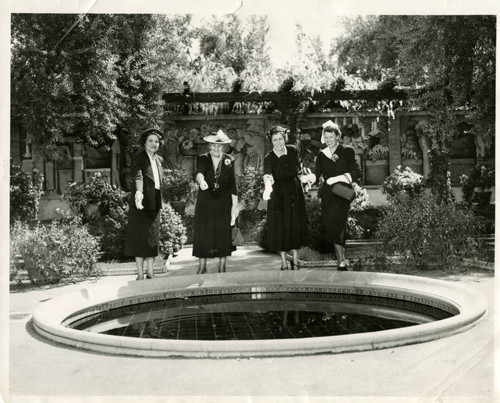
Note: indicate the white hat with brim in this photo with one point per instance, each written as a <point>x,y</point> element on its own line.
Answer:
<point>217,138</point>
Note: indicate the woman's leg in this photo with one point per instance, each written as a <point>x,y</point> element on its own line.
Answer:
<point>340,252</point>
<point>150,265</point>
<point>139,263</point>
<point>284,265</point>
<point>222,264</point>
<point>202,265</point>
<point>295,259</point>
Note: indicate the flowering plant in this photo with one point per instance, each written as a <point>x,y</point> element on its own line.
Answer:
<point>227,162</point>
<point>403,182</point>
<point>479,180</point>
<point>177,185</point>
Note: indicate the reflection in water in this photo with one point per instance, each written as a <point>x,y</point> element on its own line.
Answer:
<point>259,316</point>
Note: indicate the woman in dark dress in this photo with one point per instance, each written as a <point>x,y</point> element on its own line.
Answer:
<point>215,209</point>
<point>335,163</point>
<point>143,228</point>
<point>286,211</point>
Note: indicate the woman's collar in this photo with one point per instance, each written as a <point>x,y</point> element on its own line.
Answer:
<point>328,152</point>
<point>285,151</point>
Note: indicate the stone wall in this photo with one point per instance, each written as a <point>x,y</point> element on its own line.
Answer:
<point>380,143</point>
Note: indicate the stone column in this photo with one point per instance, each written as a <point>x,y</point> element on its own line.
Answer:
<point>394,143</point>
<point>78,162</point>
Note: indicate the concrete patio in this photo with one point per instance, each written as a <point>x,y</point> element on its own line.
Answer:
<point>459,368</point>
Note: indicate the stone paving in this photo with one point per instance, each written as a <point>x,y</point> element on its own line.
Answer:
<point>459,368</point>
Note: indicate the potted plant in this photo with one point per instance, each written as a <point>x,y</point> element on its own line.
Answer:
<point>178,188</point>
<point>250,187</point>
<point>376,160</point>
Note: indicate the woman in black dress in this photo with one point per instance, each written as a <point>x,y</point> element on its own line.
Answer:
<point>286,211</point>
<point>335,163</point>
<point>143,227</point>
<point>215,209</point>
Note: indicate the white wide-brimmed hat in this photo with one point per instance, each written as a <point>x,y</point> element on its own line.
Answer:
<point>326,125</point>
<point>217,138</point>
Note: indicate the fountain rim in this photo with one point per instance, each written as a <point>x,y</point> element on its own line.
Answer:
<point>49,316</point>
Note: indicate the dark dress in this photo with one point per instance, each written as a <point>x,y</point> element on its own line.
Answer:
<point>286,211</point>
<point>334,209</point>
<point>212,215</point>
<point>143,227</point>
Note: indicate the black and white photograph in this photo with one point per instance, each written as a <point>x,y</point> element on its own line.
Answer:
<point>230,201</point>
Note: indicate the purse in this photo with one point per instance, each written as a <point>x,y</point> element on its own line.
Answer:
<point>344,190</point>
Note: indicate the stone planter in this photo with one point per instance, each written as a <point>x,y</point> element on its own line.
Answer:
<point>178,205</point>
<point>376,171</point>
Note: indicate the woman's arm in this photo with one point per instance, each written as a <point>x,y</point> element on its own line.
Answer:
<point>200,173</point>
<point>136,170</point>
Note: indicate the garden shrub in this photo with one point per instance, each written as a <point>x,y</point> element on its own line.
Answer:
<point>480,179</point>
<point>403,182</point>
<point>111,231</point>
<point>58,249</point>
<point>108,221</point>
<point>178,185</point>
<point>414,228</point>
<point>172,231</point>
<point>97,191</point>
<point>25,193</point>
<point>250,186</point>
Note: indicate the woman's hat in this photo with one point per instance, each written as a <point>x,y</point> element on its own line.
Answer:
<point>333,127</point>
<point>217,138</point>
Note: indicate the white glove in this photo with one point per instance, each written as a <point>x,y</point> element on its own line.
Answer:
<point>335,179</point>
<point>203,185</point>
<point>234,214</point>
<point>331,180</point>
<point>267,194</point>
<point>310,178</point>
<point>138,200</point>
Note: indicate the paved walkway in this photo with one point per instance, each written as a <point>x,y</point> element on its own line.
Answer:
<point>454,369</point>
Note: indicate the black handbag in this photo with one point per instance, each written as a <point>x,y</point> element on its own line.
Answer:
<point>344,190</point>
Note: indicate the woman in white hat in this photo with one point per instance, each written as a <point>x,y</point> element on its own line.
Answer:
<point>335,163</point>
<point>216,203</point>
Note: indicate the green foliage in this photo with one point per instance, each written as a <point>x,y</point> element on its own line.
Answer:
<point>95,191</point>
<point>420,228</point>
<point>111,231</point>
<point>60,249</point>
<point>250,185</point>
<point>403,182</point>
<point>25,193</point>
<point>480,178</point>
<point>453,57</point>
<point>103,208</point>
<point>172,231</point>
<point>94,77</point>
<point>177,185</point>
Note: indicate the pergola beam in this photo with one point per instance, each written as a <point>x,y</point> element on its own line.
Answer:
<point>293,96</point>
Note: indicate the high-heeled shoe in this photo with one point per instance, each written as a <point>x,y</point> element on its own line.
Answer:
<point>342,266</point>
<point>284,267</point>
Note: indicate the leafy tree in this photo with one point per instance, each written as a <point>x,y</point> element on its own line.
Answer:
<point>233,55</point>
<point>63,80</point>
<point>452,56</point>
<point>93,77</point>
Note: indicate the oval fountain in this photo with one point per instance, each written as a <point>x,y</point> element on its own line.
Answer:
<point>463,308</point>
